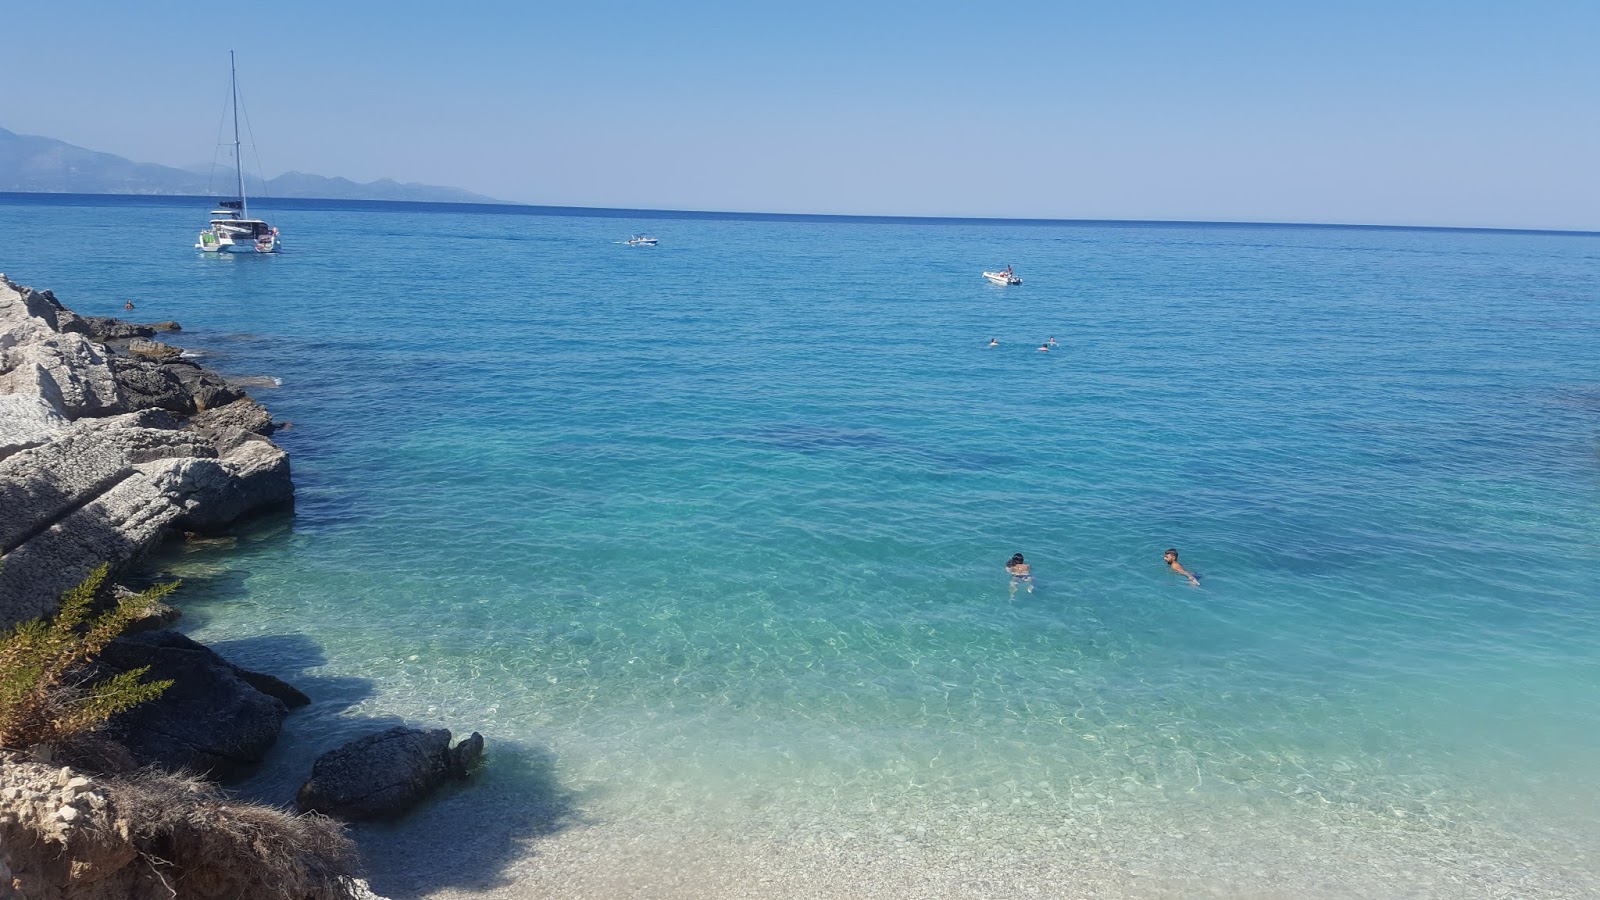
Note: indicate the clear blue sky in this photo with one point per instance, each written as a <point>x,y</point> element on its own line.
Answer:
<point>1453,113</point>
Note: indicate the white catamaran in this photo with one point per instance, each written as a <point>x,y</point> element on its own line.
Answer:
<point>232,230</point>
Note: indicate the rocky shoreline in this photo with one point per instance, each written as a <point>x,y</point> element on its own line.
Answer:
<point>112,442</point>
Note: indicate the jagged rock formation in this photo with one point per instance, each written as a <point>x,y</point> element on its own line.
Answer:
<point>65,836</point>
<point>103,453</point>
<point>383,775</point>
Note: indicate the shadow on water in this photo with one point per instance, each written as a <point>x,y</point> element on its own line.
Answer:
<point>490,822</point>
<point>469,836</point>
<point>291,657</point>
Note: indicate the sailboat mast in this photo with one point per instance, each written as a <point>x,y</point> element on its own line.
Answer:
<point>238,160</point>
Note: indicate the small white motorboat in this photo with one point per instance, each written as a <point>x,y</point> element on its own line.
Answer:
<point>641,240</point>
<point>1004,276</point>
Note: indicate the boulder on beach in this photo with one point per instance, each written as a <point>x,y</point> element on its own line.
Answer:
<point>217,719</point>
<point>382,776</point>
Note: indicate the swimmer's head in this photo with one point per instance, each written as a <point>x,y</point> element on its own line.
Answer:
<point>1016,560</point>
<point>1169,553</point>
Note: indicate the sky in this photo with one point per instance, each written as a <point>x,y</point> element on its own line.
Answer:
<point>1411,113</point>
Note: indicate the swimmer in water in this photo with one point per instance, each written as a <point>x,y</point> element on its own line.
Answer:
<point>1170,557</point>
<point>1051,342</point>
<point>128,305</point>
<point>993,342</point>
<point>1043,348</point>
<point>1017,568</point>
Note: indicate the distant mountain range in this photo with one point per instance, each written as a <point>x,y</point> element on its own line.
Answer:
<point>43,165</point>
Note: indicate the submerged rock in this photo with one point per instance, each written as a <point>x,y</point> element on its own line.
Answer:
<point>382,776</point>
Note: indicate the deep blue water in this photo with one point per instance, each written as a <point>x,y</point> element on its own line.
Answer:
<point>719,525</point>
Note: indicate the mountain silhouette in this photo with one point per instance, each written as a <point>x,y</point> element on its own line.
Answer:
<point>43,165</point>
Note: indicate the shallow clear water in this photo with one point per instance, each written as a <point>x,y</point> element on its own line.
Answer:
<point>717,527</point>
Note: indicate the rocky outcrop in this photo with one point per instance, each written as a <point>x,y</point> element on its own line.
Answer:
<point>99,456</point>
<point>384,775</point>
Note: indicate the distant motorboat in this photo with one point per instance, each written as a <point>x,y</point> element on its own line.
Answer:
<point>1004,276</point>
<point>641,239</point>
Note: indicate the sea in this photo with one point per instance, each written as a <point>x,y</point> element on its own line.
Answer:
<point>708,540</point>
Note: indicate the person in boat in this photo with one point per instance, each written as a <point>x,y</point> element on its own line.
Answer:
<point>1018,569</point>
<point>993,342</point>
<point>1008,268</point>
<point>1170,557</point>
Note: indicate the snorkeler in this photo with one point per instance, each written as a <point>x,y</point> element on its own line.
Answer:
<point>1170,557</point>
<point>1017,568</point>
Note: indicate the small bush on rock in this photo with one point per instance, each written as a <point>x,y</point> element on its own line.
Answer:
<point>45,695</point>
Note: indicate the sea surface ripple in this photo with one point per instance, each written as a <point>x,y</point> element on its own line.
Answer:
<point>707,538</point>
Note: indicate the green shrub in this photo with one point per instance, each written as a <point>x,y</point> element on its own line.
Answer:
<point>46,694</point>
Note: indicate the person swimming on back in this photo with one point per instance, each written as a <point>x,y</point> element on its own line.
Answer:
<point>1017,568</point>
<point>1170,557</point>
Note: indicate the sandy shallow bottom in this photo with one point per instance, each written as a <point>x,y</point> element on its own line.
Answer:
<point>475,847</point>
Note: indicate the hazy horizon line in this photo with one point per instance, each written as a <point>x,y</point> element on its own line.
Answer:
<point>506,207</point>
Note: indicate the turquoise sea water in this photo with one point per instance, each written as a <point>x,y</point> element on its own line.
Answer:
<point>710,535</point>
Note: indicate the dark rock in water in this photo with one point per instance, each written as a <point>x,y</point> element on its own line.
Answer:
<point>175,385</point>
<point>106,328</point>
<point>213,720</point>
<point>156,350</point>
<point>383,775</point>
<point>467,756</point>
<point>168,325</point>
<point>208,389</point>
<point>149,385</point>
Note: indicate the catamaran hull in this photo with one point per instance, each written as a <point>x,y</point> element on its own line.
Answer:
<point>246,246</point>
